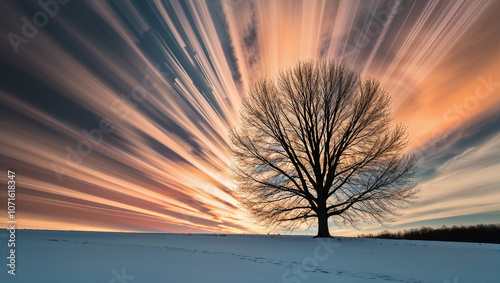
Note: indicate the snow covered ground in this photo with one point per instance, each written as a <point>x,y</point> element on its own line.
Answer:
<point>55,256</point>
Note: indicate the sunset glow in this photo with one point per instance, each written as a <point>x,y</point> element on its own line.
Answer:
<point>115,115</point>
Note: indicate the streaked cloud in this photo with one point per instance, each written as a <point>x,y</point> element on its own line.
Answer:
<point>169,77</point>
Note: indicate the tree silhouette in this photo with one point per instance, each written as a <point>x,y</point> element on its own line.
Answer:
<point>317,142</point>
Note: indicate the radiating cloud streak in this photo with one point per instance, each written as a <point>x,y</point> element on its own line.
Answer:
<point>169,77</point>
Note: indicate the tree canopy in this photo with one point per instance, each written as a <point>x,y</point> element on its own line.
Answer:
<point>316,142</point>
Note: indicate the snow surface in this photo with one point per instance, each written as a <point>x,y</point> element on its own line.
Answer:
<point>62,256</point>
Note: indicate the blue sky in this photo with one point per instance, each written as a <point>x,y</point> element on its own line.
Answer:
<point>115,114</point>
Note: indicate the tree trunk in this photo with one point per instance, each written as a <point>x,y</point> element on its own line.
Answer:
<point>323,231</point>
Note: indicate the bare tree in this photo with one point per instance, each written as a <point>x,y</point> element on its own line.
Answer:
<point>317,142</point>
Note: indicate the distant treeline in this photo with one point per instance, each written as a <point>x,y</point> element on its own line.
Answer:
<point>482,233</point>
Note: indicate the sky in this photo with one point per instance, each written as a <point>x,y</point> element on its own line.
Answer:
<point>115,114</point>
